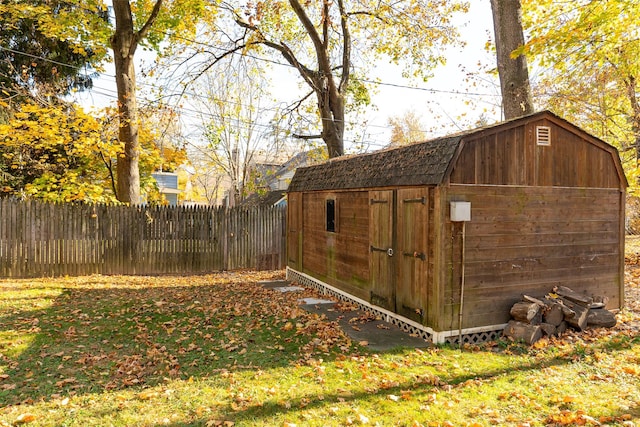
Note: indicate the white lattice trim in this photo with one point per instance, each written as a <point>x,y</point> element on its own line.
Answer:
<point>469,336</point>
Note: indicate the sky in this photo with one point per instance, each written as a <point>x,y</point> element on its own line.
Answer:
<point>440,102</point>
<point>444,97</point>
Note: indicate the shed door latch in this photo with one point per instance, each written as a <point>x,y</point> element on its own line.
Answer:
<point>389,251</point>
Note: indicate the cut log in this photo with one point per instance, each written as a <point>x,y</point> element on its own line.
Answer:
<point>599,301</point>
<point>573,296</point>
<point>553,314</point>
<point>566,311</point>
<point>527,312</point>
<point>579,320</point>
<point>561,328</point>
<point>532,299</point>
<point>601,318</point>
<point>548,329</point>
<point>523,331</point>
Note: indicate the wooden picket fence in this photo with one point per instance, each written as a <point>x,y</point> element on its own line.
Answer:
<point>41,239</point>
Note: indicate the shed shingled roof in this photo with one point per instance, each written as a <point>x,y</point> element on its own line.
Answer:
<point>419,164</point>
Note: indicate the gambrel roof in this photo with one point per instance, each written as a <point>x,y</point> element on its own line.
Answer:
<point>418,164</point>
<point>425,163</point>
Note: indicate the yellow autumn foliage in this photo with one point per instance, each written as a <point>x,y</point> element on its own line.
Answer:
<point>59,153</point>
<point>54,153</point>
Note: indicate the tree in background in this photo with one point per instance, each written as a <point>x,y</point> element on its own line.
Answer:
<point>60,153</point>
<point>136,23</point>
<point>235,122</point>
<point>124,42</point>
<point>49,40</point>
<point>406,129</point>
<point>517,99</point>
<point>589,58</point>
<point>159,150</point>
<point>330,42</point>
<point>47,48</point>
<point>55,153</point>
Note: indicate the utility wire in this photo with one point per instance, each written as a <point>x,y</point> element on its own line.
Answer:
<point>113,94</point>
<point>374,82</point>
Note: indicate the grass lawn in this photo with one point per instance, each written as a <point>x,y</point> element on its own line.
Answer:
<point>220,350</point>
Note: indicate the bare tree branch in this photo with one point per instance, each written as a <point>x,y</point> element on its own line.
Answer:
<point>306,137</point>
<point>142,33</point>
<point>346,47</point>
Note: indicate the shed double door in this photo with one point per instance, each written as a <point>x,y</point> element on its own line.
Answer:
<point>399,249</point>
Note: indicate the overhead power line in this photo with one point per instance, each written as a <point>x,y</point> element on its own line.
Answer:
<point>110,93</point>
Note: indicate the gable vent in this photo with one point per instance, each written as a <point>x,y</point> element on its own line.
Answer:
<point>543,135</point>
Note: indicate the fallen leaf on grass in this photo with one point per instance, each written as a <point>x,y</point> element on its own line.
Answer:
<point>65,381</point>
<point>565,418</point>
<point>148,394</point>
<point>25,418</point>
<point>218,423</point>
<point>363,419</point>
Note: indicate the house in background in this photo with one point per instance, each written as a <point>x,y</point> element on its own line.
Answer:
<point>272,181</point>
<point>168,186</point>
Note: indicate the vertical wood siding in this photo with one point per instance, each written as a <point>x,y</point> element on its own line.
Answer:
<point>39,239</point>
<point>340,258</point>
<point>413,253</point>
<point>511,157</point>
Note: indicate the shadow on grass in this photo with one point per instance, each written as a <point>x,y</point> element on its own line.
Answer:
<point>419,387</point>
<point>99,337</point>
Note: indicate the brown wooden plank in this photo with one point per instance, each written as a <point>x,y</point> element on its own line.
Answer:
<point>412,253</point>
<point>380,233</point>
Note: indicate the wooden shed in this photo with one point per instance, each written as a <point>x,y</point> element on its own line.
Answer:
<point>443,237</point>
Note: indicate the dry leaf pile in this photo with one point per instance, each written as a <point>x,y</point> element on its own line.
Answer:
<point>109,333</point>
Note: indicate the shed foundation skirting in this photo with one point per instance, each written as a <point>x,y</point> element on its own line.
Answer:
<point>469,336</point>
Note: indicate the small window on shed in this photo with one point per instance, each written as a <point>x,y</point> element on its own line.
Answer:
<point>331,215</point>
<point>543,135</point>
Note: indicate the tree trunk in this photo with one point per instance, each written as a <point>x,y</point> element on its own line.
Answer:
<point>124,43</point>
<point>332,114</point>
<point>517,100</point>
<point>631,88</point>
<point>329,92</point>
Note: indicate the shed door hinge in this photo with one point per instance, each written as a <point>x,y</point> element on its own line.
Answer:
<point>421,200</point>
<point>420,255</point>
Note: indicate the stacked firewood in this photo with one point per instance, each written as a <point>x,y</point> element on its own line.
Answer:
<point>533,318</point>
